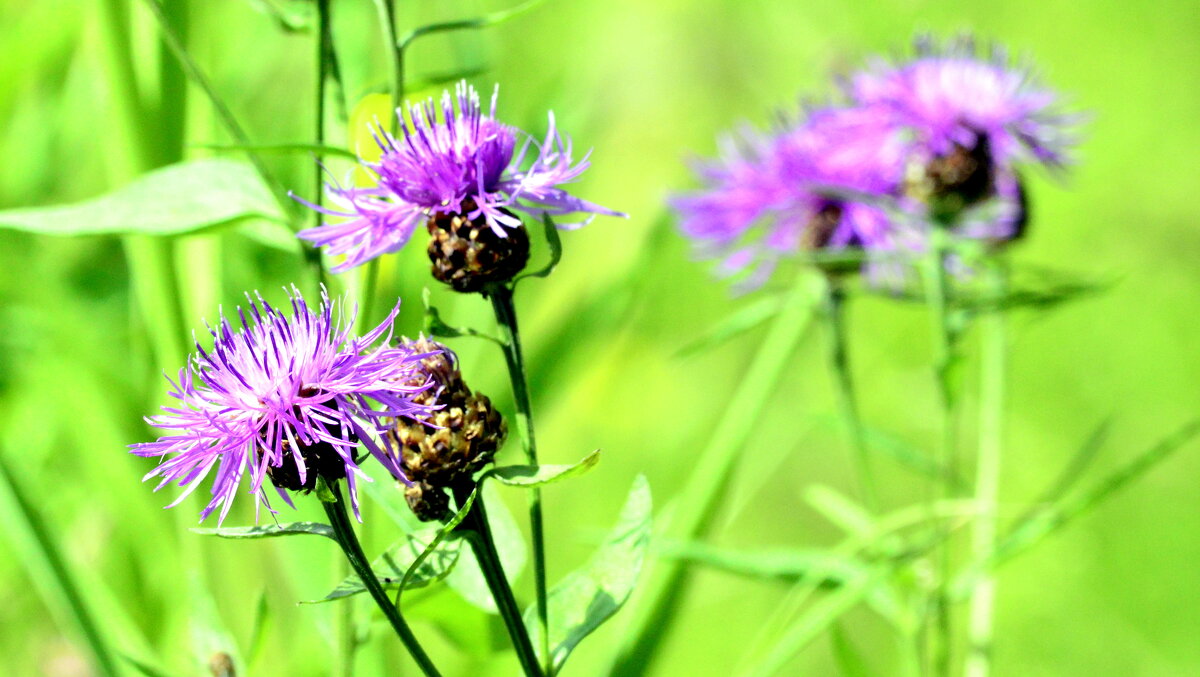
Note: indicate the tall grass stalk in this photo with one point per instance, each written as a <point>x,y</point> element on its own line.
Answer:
<point>706,485</point>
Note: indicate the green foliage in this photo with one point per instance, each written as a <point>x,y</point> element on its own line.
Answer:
<point>399,563</point>
<point>529,476</point>
<point>187,198</point>
<point>554,242</point>
<point>587,597</point>
<point>270,531</point>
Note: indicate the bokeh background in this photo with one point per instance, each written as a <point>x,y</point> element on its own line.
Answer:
<point>646,84</point>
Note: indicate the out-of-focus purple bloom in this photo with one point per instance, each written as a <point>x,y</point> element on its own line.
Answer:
<point>285,399</point>
<point>465,163</point>
<point>970,120</point>
<point>770,196</point>
<point>951,96</point>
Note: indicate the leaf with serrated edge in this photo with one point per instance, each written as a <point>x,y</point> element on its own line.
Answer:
<point>587,597</point>
<point>540,475</point>
<point>271,530</point>
<point>184,198</point>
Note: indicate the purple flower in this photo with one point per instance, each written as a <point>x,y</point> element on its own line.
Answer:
<point>770,196</point>
<point>283,399</point>
<point>467,163</point>
<point>970,121</point>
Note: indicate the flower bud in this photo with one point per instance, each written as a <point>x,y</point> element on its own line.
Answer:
<point>468,253</point>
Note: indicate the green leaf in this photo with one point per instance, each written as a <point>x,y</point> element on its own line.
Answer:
<point>839,509</point>
<point>529,476</point>
<point>587,597</point>
<point>485,21</point>
<point>555,244</point>
<point>1042,523</point>
<point>849,659</point>
<point>271,530</point>
<point>739,322</point>
<point>434,326</point>
<point>789,565</point>
<point>189,197</point>
<point>292,16</point>
<point>396,565</point>
<point>306,148</point>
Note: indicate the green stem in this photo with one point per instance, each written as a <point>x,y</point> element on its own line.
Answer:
<point>47,558</point>
<point>847,400</point>
<point>987,475</point>
<point>478,531</point>
<point>501,297</point>
<point>339,519</point>
<point>697,504</point>
<point>938,296</point>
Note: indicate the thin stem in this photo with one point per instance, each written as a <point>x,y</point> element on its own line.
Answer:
<point>344,531</point>
<point>697,504</point>
<point>388,19</point>
<point>49,559</point>
<point>506,317</point>
<point>938,294</point>
<point>987,475</point>
<point>478,531</point>
<point>847,400</point>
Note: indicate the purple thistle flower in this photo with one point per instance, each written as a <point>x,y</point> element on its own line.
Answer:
<point>970,120</point>
<point>467,163</point>
<point>771,196</point>
<point>285,399</point>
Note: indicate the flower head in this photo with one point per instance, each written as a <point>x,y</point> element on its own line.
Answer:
<point>284,398</point>
<point>770,196</point>
<point>465,164</point>
<point>970,119</point>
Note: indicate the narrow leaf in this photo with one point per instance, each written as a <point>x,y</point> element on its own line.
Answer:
<point>555,244</point>
<point>434,326</point>
<point>589,596</point>
<point>839,509</point>
<point>397,565</point>
<point>849,659</point>
<point>188,197</point>
<point>735,324</point>
<point>528,476</point>
<point>307,148</point>
<point>485,21</point>
<point>271,530</point>
<point>789,565</point>
<point>292,16</point>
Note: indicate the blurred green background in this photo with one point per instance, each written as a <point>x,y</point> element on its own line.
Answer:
<point>645,84</point>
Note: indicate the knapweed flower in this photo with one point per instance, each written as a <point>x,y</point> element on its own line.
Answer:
<point>458,439</point>
<point>285,399</point>
<point>772,196</point>
<point>464,177</point>
<point>971,120</point>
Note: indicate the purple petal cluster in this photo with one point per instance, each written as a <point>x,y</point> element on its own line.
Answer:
<point>466,162</point>
<point>864,173</point>
<point>272,389</point>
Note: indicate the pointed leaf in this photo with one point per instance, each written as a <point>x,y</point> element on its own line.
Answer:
<point>739,322</point>
<point>540,475</point>
<point>271,530</point>
<point>788,565</point>
<point>188,197</point>
<point>555,244</point>
<point>394,565</point>
<point>587,597</point>
<point>434,326</point>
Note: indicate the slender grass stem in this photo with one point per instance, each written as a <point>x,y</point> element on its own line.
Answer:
<point>478,531</point>
<point>501,297</point>
<point>705,486</point>
<point>993,370</point>
<point>847,399</point>
<point>343,529</point>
